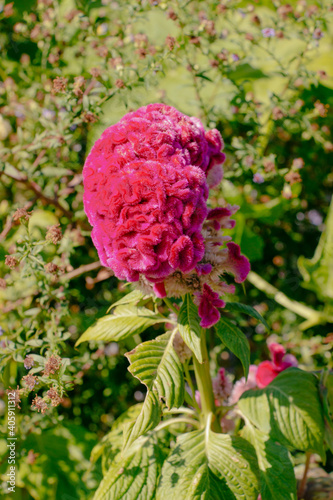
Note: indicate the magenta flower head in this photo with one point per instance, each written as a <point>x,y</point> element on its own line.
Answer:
<point>146,184</point>
<point>268,370</point>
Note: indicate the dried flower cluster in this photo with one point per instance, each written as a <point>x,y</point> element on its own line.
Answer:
<point>54,396</point>
<point>30,381</point>
<point>40,404</point>
<point>28,362</point>
<point>54,234</point>
<point>22,213</point>
<point>52,365</point>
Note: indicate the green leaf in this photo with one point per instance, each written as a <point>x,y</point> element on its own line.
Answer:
<point>209,466</point>
<point>111,444</point>
<point>149,417</point>
<point>123,322</point>
<point>134,476</point>
<point>244,308</point>
<point>203,76</point>
<point>274,464</point>
<point>130,298</point>
<point>289,410</point>
<point>189,326</point>
<point>326,395</point>
<point>234,339</point>
<point>156,364</point>
<point>246,72</point>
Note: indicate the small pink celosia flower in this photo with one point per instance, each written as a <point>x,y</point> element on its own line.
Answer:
<point>146,186</point>
<point>208,302</point>
<point>222,386</point>
<point>268,370</point>
<point>243,385</point>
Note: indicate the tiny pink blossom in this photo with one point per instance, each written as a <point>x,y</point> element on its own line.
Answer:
<point>268,32</point>
<point>258,178</point>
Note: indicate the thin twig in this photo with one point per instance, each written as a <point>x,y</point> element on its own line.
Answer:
<point>47,199</point>
<point>38,191</point>
<point>81,270</point>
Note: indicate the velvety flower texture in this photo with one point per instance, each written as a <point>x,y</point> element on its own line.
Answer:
<point>146,186</point>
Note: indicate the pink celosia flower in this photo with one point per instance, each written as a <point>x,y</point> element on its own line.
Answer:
<point>243,385</point>
<point>236,263</point>
<point>268,370</point>
<point>222,386</point>
<point>146,186</point>
<point>208,302</point>
<point>146,191</point>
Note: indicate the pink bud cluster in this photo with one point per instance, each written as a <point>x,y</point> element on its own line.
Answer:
<point>146,186</point>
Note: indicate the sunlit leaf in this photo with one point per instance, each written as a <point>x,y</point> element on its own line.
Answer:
<point>289,410</point>
<point>148,418</point>
<point>123,322</point>
<point>274,464</point>
<point>156,364</point>
<point>209,466</point>
<point>134,476</point>
<point>189,326</point>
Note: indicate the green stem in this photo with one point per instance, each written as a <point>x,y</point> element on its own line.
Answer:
<point>170,305</point>
<point>189,381</point>
<point>205,386</point>
<point>302,485</point>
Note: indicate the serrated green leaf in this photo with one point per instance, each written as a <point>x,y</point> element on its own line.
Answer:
<point>149,417</point>
<point>189,326</point>
<point>123,322</point>
<point>235,340</point>
<point>112,443</point>
<point>156,364</point>
<point>244,308</point>
<point>209,466</point>
<point>135,475</point>
<point>326,395</point>
<point>274,464</point>
<point>130,298</point>
<point>289,410</point>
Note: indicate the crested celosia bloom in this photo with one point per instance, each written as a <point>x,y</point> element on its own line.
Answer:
<point>146,186</point>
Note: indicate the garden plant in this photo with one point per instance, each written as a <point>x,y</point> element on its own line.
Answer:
<point>166,238</point>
